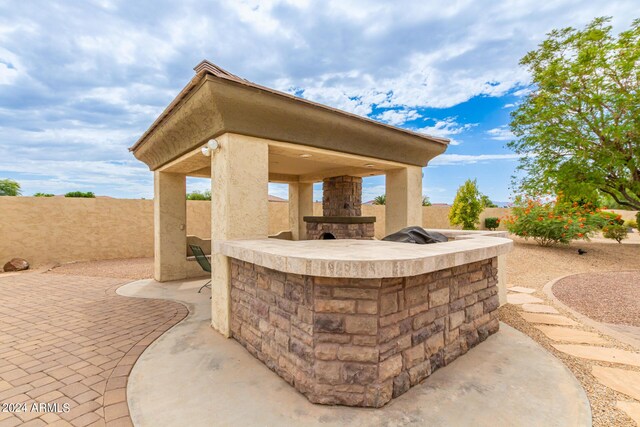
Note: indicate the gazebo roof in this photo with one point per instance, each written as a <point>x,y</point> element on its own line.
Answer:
<point>215,102</point>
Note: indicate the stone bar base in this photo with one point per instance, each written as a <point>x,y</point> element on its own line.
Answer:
<point>361,342</point>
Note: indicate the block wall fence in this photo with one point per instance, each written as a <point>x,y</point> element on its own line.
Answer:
<point>46,230</point>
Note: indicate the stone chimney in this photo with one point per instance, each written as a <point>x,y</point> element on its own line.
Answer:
<point>342,196</point>
<point>342,211</point>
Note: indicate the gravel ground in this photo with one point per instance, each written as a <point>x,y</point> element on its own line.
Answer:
<point>533,266</point>
<point>604,297</point>
<point>133,268</point>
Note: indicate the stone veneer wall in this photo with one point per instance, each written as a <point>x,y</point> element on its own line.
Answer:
<point>362,231</point>
<point>360,342</point>
<point>342,196</point>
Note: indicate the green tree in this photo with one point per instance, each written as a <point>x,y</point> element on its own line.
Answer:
<point>467,206</point>
<point>43,195</point>
<point>9,187</point>
<point>380,200</point>
<point>578,130</point>
<point>81,194</point>
<point>197,195</point>
<point>486,202</point>
<point>426,201</point>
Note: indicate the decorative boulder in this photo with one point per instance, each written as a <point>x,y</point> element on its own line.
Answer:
<point>16,264</point>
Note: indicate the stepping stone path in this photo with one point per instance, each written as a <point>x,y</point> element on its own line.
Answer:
<point>539,308</point>
<point>522,299</point>
<point>521,289</point>
<point>548,319</point>
<point>602,354</point>
<point>621,380</point>
<point>576,336</point>
<point>632,409</point>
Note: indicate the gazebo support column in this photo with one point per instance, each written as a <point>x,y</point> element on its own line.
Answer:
<point>404,198</point>
<point>300,205</point>
<point>170,218</point>
<point>239,210</point>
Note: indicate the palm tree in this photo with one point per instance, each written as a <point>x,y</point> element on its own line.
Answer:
<point>380,200</point>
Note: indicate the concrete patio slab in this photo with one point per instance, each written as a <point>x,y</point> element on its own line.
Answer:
<point>539,308</point>
<point>548,319</point>
<point>193,376</point>
<point>624,381</point>
<point>521,289</point>
<point>603,354</point>
<point>576,336</point>
<point>519,298</point>
<point>632,409</point>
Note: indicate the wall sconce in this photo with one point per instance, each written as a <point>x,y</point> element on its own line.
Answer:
<point>211,146</point>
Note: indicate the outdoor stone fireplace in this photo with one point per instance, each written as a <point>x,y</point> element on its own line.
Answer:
<point>341,212</point>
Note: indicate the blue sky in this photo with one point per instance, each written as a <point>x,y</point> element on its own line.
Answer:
<point>81,81</point>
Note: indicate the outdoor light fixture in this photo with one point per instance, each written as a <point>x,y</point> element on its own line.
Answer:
<point>209,147</point>
<point>368,165</point>
<point>305,156</point>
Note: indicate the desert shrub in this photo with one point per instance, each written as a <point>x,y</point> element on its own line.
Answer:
<point>43,195</point>
<point>467,206</point>
<point>552,222</point>
<point>84,194</point>
<point>197,195</point>
<point>492,223</point>
<point>631,223</point>
<point>616,232</point>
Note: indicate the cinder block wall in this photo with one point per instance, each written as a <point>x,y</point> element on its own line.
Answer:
<point>45,230</point>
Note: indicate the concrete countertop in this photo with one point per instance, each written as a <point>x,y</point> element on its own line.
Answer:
<point>367,259</point>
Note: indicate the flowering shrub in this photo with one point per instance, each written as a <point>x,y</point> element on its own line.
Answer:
<point>616,232</point>
<point>611,218</point>
<point>492,223</point>
<point>552,222</point>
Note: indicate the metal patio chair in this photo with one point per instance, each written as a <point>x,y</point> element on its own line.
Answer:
<point>204,263</point>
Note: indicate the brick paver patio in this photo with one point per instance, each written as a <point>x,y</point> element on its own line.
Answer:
<point>72,339</point>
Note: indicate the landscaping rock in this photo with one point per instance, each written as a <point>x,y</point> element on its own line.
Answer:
<point>16,264</point>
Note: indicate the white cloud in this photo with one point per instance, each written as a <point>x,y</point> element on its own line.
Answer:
<point>464,159</point>
<point>501,133</point>
<point>398,117</point>
<point>446,128</point>
<point>522,92</point>
<point>80,82</point>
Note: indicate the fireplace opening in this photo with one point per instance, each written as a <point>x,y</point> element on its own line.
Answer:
<point>327,236</point>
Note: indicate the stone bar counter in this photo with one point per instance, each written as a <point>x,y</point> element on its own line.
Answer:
<point>359,322</point>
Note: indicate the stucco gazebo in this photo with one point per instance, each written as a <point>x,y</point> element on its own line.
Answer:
<point>265,136</point>
<point>350,321</point>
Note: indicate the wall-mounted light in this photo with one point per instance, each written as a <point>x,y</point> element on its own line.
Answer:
<point>211,146</point>
<point>368,165</point>
<point>305,156</point>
